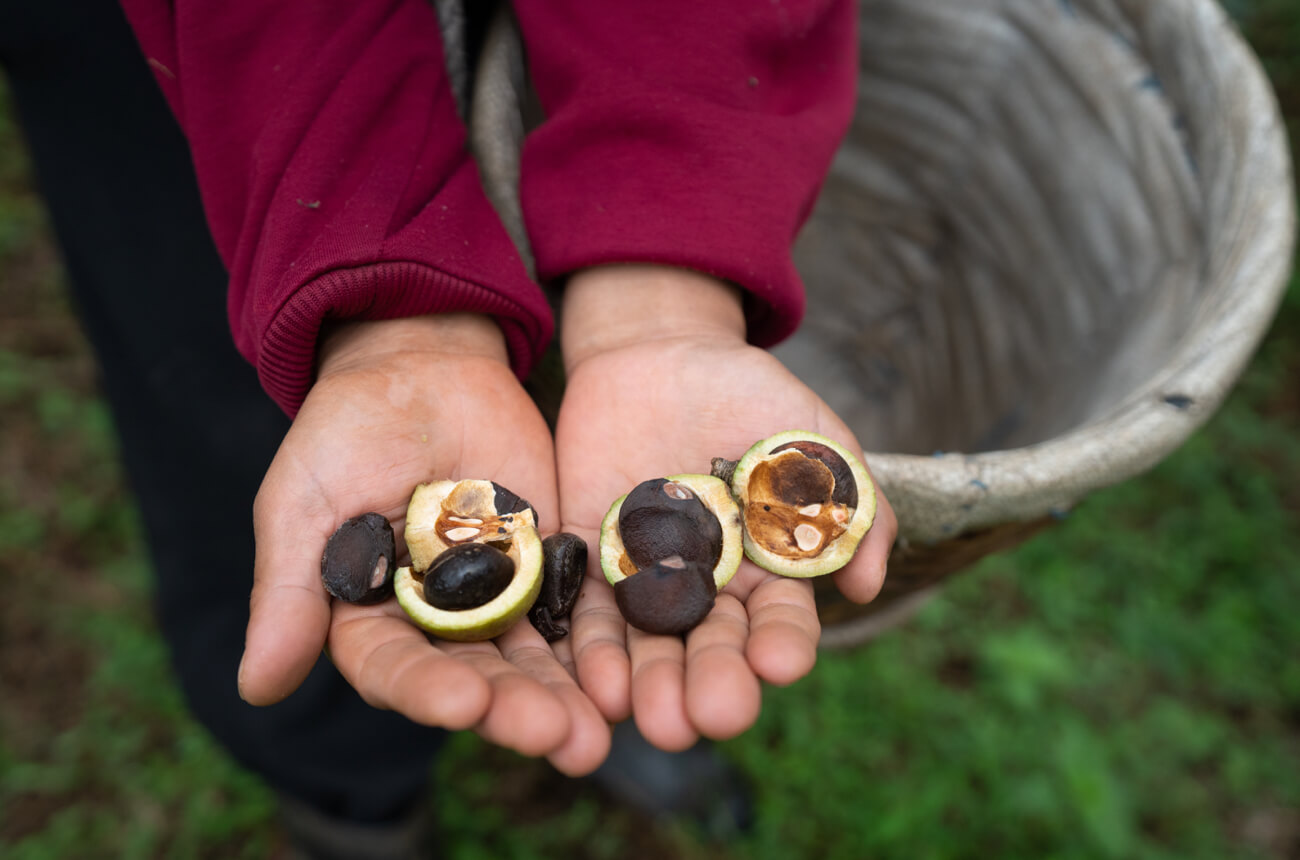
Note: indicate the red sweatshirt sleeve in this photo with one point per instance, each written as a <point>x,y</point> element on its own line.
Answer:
<point>334,173</point>
<point>690,132</point>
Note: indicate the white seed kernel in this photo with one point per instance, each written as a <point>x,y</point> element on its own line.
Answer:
<point>677,491</point>
<point>807,537</point>
<point>810,510</point>
<point>469,521</point>
<point>461,534</point>
<point>379,573</point>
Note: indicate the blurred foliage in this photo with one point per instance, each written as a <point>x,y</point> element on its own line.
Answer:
<point>1124,685</point>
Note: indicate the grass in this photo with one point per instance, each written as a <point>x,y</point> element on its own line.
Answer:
<point>1127,684</point>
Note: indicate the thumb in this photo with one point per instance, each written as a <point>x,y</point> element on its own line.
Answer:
<point>289,610</point>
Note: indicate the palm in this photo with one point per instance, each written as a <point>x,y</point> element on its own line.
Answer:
<point>362,441</point>
<point>669,407</point>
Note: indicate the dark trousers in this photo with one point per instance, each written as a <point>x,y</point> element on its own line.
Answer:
<point>197,432</point>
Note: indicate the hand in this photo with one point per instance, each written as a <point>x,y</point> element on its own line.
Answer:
<point>661,380</point>
<point>397,403</point>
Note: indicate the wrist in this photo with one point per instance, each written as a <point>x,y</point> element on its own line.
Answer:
<point>609,307</point>
<point>355,344</point>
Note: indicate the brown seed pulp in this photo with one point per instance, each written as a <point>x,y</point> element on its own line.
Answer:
<point>846,488</point>
<point>792,507</point>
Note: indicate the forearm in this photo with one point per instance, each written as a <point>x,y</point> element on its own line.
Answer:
<point>334,172</point>
<point>349,346</point>
<point>686,134</point>
<point>609,307</point>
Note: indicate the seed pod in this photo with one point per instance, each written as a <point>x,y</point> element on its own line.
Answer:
<point>467,576</point>
<point>359,559</point>
<point>806,503</point>
<point>670,597</point>
<point>564,567</point>
<point>460,515</point>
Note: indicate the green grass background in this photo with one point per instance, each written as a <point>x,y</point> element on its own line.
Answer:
<point>1125,685</point>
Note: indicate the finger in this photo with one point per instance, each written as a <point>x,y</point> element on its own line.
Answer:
<point>525,715</point>
<point>588,740</point>
<point>289,611</point>
<point>658,682</point>
<point>723,696</point>
<point>783,630</point>
<point>392,665</point>
<point>862,578</point>
<point>598,637</point>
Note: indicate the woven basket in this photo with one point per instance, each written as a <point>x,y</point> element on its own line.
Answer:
<point>1055,235</point>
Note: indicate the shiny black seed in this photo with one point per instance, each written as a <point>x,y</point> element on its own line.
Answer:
<point>467,576</point>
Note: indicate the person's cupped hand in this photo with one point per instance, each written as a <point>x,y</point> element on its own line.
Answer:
<point>395,404</point>
<point>661,381</point>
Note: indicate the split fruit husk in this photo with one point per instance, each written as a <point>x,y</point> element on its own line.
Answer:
<point>446,514</point>
<point>676,556</point>
<point>806,503</point>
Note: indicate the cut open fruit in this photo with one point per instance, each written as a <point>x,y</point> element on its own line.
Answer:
<point>806,502</point>
<point>443,515</point>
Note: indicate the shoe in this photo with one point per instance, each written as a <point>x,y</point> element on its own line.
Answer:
<point>313,835</point>
<point>698,785</point>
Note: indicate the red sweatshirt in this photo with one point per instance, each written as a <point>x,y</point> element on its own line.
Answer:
<point>337,183</point>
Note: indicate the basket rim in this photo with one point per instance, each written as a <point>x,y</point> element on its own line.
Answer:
<point>978,490</point>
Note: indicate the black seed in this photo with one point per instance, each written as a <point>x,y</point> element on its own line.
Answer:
<point>846,488</point>
<point>358,563</point>
<point>467,576</point>
<point>551,630</point>
<point>654,523</point>
<point>564,565</point>
<point>564,559</point>
<point>507,502</point>
<point>666,600</point>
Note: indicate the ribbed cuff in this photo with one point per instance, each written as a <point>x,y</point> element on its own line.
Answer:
<point>286,355</point>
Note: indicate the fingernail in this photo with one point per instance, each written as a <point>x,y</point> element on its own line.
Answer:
<point>239,678</point>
